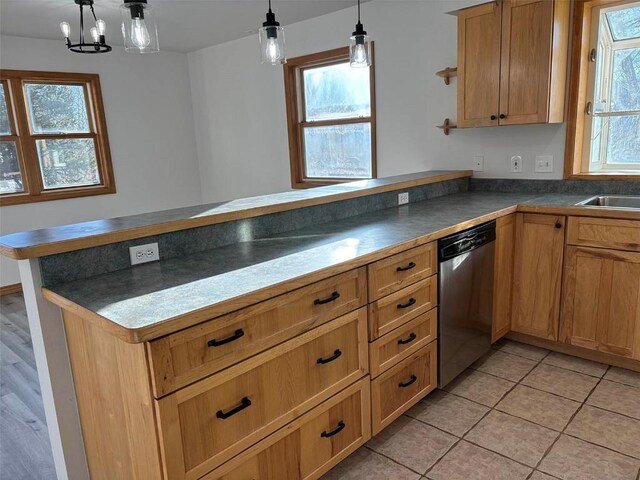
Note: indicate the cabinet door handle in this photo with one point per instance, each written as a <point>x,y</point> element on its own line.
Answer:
<point>409,266</point>
<point>331,298</point>
<point>558,225</point>
<point>216,343</point>
<point>502,116</point>
<point>335,431</point>
<point>493,117</point>
<point>411,338</point>
<point>412,379</point>
<point>336,354</point>
<point>244,403</point>
<point>411,301</point>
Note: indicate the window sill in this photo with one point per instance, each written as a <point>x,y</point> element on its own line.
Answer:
<point>324,182</point>
<point>603,176</point>
<point>23,198</point>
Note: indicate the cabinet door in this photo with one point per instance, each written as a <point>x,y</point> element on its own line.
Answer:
<point>526,61</point>
<point>479,65</point>
<point>537,274</point>
<point>503,276</point>
<point>601,300</point>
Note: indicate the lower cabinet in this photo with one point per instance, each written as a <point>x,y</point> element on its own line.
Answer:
<point>310,445</point>
<point>537,274</point>
<point>503,276</point>
<point>402,386</point>
<point>601,300</point>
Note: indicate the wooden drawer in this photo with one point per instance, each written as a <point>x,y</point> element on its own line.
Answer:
<point>401,387</point>
<point>187,356</point>
<point>605,233</point>
<point>308,446</point>
<point>395,346</point>
<point>398,308</point>
<point>205,424</point>
<point>393,273</point>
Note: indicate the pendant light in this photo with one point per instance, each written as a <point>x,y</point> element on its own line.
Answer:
<point>271,37</point>
<point>98,33</point>
<point>359,48</point>
<point>139,28</point>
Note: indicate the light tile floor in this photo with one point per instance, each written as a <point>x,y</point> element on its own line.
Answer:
<point>519,413</point>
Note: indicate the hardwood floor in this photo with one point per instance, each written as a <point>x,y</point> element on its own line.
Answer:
<point>25,452</point>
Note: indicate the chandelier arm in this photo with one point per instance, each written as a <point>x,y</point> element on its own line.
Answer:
<point>81,25</point>
<point>95,19</point>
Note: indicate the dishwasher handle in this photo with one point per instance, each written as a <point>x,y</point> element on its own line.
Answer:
<point>461,243</point>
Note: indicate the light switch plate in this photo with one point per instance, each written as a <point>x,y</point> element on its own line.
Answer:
<point>478,163</point>
<point>544,164</point>
<point>516,164</point>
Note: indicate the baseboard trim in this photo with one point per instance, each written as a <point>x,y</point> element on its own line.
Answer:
<point>9,289</point>
<point>581,352</point>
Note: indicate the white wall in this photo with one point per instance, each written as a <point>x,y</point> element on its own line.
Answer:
<point>239,105</point>
<point>150,124</point>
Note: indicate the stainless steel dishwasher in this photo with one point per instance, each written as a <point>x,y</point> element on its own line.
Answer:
<point>465,290</point>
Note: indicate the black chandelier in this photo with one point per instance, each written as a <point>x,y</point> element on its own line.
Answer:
<point>98,32</point>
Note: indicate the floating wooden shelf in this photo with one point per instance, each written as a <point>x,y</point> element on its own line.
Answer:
<point>447,73</point>
<point>446,126</point>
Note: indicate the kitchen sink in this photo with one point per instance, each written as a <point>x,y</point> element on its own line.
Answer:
<point>613,201</point>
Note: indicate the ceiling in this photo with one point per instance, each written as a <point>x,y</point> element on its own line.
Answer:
<point>183,25</point>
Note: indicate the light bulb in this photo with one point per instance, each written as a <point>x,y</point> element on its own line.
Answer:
<point>139,33</point>
<point>360,55</point>
<point>66,29</point>
<point>273,50</point>
<point>101,26</point>
<point>95,35</point>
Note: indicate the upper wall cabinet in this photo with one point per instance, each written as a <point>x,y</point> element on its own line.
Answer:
<point>512,60</point>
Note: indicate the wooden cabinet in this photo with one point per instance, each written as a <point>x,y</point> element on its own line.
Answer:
<point>310,445</point>
<point>537,274</point>
<point>604,232</point>
<point>503,276</point>
<point>204,424</point>
<point>512,62</point>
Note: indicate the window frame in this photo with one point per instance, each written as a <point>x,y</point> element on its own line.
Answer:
<point>15,82</point>
<point>294,98</point>
<point>584,35</point>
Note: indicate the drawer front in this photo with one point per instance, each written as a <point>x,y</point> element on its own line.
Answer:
<point>398,308</point>
<point>402,386</point>
<point>310,445</point>
<point>393,273</point>
<point>399,344</point>
<point>605,233</point>
<point>205,424</point>
<point>187,356</point>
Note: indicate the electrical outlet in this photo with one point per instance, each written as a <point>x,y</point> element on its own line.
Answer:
<point>478,163</point>
<point>144,253</point>
<point>516,164</point>
<point>403,198</point>
<point>544,164</point>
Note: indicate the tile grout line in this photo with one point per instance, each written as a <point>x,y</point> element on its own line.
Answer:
<point>389,458</point>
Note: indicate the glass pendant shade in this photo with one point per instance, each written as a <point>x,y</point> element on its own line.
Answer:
<point>360,51</point>
<point>272,45</point>
<point>139,28</point>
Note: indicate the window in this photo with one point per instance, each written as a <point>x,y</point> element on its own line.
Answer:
<point>331,119</point>
<point>604,127</point>
<point>53,137</point>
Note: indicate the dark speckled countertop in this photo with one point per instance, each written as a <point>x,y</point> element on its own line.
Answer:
<point>144,296</point>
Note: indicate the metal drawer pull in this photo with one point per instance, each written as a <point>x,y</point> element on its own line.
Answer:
<point>335,431</point>
<point>244,403</point>
<point>412,379</point>
<point>412,337</point>
<point>216,343</point>
<point>333,297</point>
<point>411,301</point>
<point>336,354</point>
<point>409,266</point>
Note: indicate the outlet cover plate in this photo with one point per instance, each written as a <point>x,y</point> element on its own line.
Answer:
<point>478,163</point>
<point>403,198</point>
<point>544,164</point>
<point>149,252</point>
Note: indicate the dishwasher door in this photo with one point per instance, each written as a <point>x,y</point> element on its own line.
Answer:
<point>466,304</point>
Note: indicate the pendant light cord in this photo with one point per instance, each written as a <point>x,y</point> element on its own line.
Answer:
<point>358,10</point>
<point>269,6</point>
